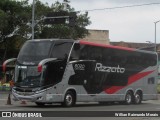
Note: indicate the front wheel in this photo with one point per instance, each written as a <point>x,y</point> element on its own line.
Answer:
<point>69,99</point>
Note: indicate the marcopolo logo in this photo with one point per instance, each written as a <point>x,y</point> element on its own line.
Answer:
<point>101,68</point>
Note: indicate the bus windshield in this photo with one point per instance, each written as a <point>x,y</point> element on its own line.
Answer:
<point>34,51</point>
<point>27,76</point>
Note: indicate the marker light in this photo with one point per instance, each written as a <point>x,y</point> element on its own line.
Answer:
<point>43,62</point>
<point>39,68</point>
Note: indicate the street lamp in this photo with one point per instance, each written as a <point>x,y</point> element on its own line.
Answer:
<point>155,34</point>
<point>65,2</point>
<point>149,42</point>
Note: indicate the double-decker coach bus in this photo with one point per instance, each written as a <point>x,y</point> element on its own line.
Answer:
<point>67,71</point>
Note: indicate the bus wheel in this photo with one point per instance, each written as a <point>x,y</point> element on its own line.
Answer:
<point>40,104</point>
<point>137,98</point>
<point>129,98</point>
<point>69,99</point>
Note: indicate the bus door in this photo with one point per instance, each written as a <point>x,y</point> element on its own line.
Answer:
<point>84,73</point>
<point>54,73</point>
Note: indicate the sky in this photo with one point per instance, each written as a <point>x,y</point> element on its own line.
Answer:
<point>134,24</point>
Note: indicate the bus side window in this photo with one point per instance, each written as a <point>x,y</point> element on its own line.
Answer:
<point>77,52</point>
<point>95,53</point>
<point>107,56</point>
<point>61,50</point>
<point>53,73</point>
<point>84,53</point>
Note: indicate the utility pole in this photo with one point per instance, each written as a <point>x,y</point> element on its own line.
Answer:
<point>33,22</point>
<point>70,17</point>
<point>156,34</point>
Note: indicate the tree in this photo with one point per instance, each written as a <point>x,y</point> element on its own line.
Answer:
<point>60,30</point>
<point>14,19</point>
<point>14,15</point>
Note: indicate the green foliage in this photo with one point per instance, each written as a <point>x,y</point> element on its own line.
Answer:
<point>13,16</point>
<point>16,16</point>
<point>14,19</point>
<point>60,31</point>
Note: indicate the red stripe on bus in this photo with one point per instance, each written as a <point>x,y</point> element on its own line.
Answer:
<point>40,68</point>
<point>106,46</point>
<point>4,67</point>
<point>132,79</point>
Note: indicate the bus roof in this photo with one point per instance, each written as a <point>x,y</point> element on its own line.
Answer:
<point>106,46</point>
<point>114,47</point>
<point>94,44</point>
<point>64,40</point>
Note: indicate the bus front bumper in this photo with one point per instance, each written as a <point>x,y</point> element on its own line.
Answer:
<point>39,97</point>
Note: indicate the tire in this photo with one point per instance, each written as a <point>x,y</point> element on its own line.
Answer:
<point>137,98</point>
<point>40,104</point>
<point>129,98</point>
<point>69,99</point>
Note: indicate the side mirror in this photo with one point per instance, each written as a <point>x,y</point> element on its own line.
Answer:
<point>4,66</point>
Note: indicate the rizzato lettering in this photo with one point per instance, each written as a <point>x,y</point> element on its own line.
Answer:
<point>101,68</point>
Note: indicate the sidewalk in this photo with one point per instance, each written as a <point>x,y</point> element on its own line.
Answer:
<point>4,92</point>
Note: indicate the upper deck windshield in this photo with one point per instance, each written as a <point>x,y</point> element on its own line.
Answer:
<point>33,51</point>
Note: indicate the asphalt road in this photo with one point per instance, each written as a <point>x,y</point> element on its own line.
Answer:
<point>151,105</point>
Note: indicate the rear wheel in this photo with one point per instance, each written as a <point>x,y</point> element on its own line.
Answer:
<point>69,99</point>
<point>137,98</point>
<point>129,98</point>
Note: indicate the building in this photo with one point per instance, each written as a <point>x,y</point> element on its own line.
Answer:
<point>131,44</point>
<point>141,46</point>
<point>98,36</point>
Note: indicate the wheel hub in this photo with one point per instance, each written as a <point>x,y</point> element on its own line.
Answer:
<point>69,99</point>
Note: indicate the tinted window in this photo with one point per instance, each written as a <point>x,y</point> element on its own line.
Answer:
<point>34,51</point>
<point>94,53</point>
<point>61,50</point>
<point>77,52</point>
<point>54,73</point>
<point>87,52</point>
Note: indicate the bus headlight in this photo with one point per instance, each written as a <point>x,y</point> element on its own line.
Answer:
<point>39,98</point>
